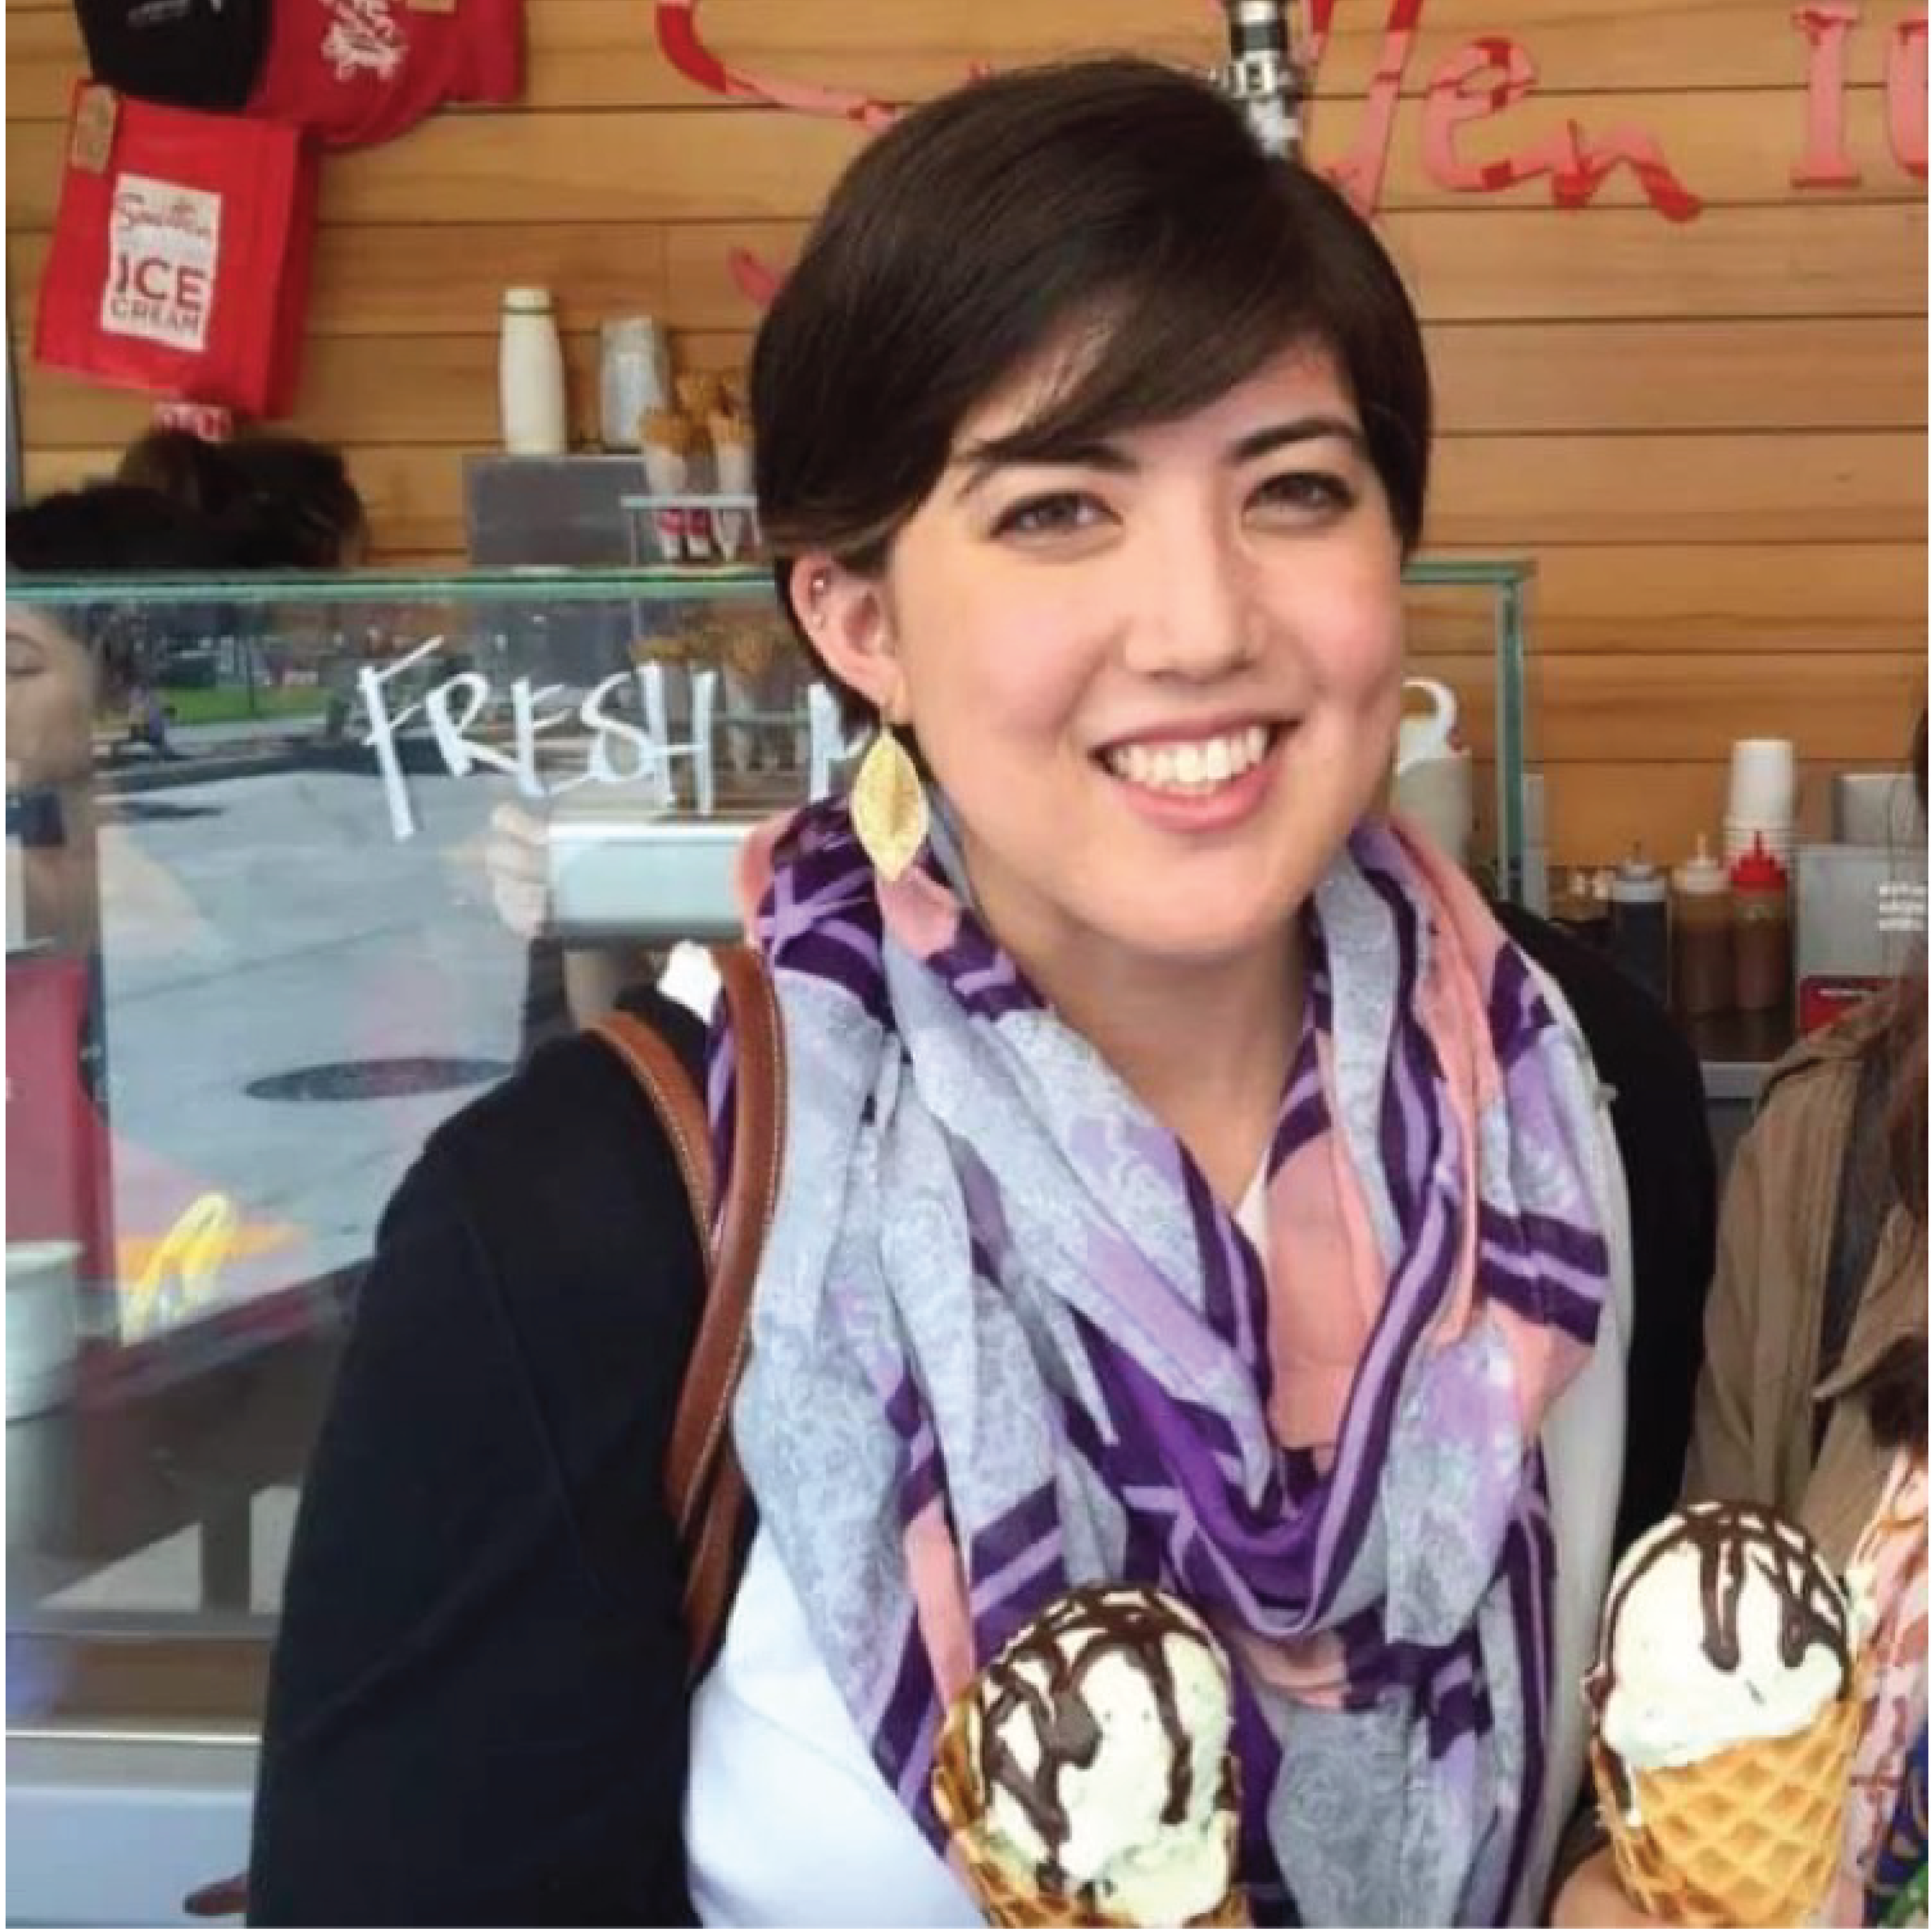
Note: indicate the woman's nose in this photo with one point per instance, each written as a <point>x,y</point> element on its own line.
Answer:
<point>1195,613</point>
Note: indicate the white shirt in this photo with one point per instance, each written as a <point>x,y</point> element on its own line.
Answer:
<point>787,1819</point>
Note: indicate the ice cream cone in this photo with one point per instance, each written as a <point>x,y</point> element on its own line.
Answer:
<point>1727,1699</point>
<point>1009,1897</point>
<point>1748,1836</point>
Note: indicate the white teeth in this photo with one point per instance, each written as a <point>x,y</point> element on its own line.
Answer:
<point>1190,767</point>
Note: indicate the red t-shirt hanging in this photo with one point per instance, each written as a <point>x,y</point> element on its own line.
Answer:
<point>356,72</point>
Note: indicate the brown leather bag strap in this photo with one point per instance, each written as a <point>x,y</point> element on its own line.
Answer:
<point>700,1435</point>
<point>704,1488</point>
<point>675,1099</point>
<point>711,1565</point>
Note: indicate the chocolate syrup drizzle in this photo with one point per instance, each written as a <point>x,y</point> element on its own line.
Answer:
<point>1063,1646</point>
<point>1730,1538</point>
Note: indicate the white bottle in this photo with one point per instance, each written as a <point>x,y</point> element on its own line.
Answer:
<point>529,376</point>
<point>1434,783</point>
<point>633,374</point>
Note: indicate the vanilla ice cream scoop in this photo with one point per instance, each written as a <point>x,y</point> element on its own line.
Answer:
<point>1100,1736</point>
<point>1725,1626</point>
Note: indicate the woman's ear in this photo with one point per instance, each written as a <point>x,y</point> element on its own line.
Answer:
<point>845,615</point>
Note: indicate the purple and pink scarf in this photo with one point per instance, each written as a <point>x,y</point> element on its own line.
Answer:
<point>1005,1341</point>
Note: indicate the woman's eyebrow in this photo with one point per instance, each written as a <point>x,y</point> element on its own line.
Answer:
<point>979,461</point>
<point>1301,429</point>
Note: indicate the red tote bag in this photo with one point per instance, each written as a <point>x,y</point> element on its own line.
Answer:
<point>180,260</point>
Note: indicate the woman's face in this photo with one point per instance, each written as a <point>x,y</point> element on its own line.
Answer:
<point>50,699</point>
<point>1160,684</point>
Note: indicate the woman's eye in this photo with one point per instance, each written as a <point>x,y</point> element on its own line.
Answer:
<point>1063,510</point>
<point>1303,491</point>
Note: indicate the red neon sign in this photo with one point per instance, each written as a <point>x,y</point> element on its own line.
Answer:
<point>1483,78</point>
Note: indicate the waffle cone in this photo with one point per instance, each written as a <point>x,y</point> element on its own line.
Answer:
<point>1008,1897</point>
<point>1748,1836</point>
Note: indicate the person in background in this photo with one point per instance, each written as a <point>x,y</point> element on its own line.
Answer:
<point>65,668</point>
<point>284,503</point>
<point>279,502</point>
<point>65,665</point>
<point>68,665</point>
<point>1185,1179</point>
<point>149,714</point>
<point>1813,1396</point>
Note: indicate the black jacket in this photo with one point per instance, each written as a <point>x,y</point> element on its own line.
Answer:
<point>1664,1134</point>
<point>477,1712</point>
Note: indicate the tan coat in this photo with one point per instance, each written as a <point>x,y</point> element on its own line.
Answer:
<point>1752,1436</point>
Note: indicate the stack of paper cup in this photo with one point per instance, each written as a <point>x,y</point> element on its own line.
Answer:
<point>1763,808</point>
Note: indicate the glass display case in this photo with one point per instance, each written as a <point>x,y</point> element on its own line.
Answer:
<point>1468,628</point>
<point>268,922</point>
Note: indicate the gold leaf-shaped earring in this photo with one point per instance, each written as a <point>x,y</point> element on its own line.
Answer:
<point>889,805</point>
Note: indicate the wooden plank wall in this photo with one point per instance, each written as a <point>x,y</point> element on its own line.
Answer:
<point>1710,435</point>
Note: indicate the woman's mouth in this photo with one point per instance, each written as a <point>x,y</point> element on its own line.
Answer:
<point>1207,783</point>
<point>1189,767</point>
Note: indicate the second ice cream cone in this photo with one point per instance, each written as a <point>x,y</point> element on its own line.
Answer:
<point>1726,1697</point>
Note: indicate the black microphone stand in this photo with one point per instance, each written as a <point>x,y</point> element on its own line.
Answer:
<point>1263,74</point>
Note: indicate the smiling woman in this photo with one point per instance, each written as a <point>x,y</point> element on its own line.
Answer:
<point>1185,1183</point>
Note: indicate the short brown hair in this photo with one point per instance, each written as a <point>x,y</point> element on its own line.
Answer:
<point>969,236</point>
